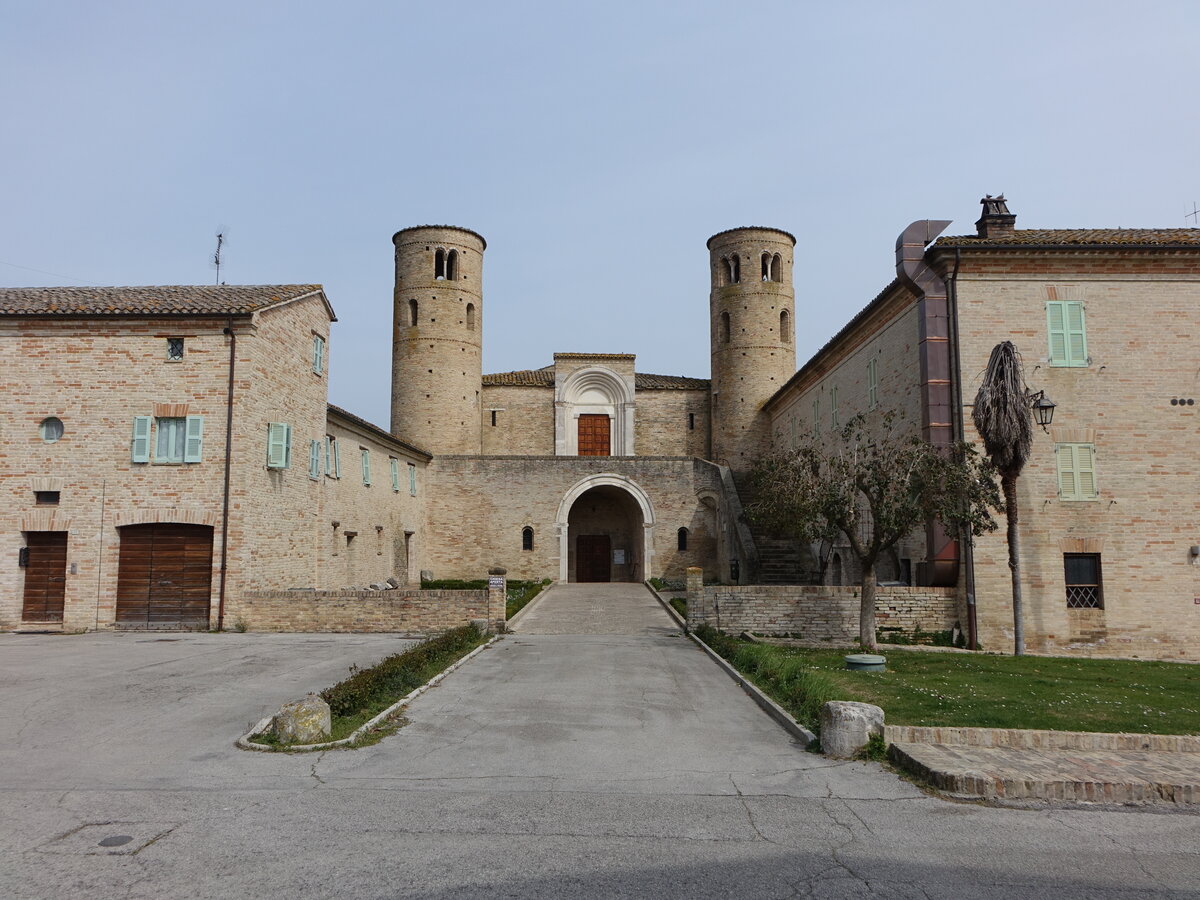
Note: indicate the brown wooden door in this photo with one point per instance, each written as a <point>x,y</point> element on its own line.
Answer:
<point>45,576</point>
<point>594,436</point>
<point>165,575</point>
<point>592,555</point>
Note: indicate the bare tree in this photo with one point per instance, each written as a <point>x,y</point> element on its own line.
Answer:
<point>872,487</point>
<point>1002,418</point>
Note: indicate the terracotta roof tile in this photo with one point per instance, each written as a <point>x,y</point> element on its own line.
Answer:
<point>1078,236</point>
<point>166,300</point>
<point>522,377</point>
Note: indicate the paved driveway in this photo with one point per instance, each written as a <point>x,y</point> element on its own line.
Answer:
<point>603,758</point>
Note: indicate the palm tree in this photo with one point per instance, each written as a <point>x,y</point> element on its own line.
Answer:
<point>1002,418</point>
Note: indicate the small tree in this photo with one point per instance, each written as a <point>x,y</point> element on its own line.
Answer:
<point>872,489</point>
<point>1001,416</point>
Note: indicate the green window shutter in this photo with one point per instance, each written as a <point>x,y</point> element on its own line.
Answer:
<point>1068,488</point>
<point>1056,330</point>
<point>328,455</point>
<point>1075,335</point>
<point>366,467</point>
<point>412,479</point>
<point>194,442</point>
<point>279,445</point>
<point>1085,471</point>
<point>337,458</point>
<point>395,473</point>
<point>314,459</point>
<point>833,407</point>
<point>140,452</point>
<point>318,354</point>
<point>817,416</point>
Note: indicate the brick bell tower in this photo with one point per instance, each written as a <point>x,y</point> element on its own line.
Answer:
<point>437,338</point>
<point>753,315</point>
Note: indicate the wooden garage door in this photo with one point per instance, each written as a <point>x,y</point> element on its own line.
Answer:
<point>165,575</point>
<point>594,435</point>
<point>45,576</point>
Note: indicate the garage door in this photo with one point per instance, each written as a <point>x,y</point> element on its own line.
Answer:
<point>165,576</point>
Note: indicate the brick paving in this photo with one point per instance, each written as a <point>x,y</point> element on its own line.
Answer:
<point>1088,776</point>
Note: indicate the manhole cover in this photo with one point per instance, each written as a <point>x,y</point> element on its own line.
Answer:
<point>116,840</point>
<point>99,838</point>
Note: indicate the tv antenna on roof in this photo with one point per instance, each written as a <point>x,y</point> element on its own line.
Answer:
<point>1194,215</point>
<point>216,258</point>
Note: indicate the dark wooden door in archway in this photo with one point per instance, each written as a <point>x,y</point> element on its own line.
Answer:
<point>592,555</point>
<point>594,435</point>
<point>165,576</point>
<point>45,576</point>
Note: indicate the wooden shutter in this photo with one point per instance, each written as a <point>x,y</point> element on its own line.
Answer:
<point>412,479</point>
<point>194,441</point>
<point>279,441</point>
<point>314,459</point>
<point>1085,471</point>
<point>1056,330</point>
<point>141,439</point>
<point>833,407</point>
<point>1068,487</point>
<point>366,467</point>
<point>318,354</point>
<point>1076,339</point>
<point>337,459</point>
<point>395,474</point>
<point>872,384</point>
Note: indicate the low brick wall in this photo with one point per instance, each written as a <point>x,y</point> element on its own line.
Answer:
<point>818,613</point>
<point>401,610</point>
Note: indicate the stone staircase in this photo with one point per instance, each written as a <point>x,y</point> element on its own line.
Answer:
<point>780,560</point>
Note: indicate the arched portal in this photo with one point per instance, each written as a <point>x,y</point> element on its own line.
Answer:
<point>605,531</point>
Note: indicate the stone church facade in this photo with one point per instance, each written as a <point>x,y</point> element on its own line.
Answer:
<point>171,451</point>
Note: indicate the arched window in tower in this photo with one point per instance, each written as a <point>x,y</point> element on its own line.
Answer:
<point>452,265</point>
<point>785,327</point>
<point>682,537</point>
<point>776,265</point>
<point>725,327</point>
<point>735,269</point>
<point>470,317</point>
<point>526,538</point>
<point>766,267</point>
<point>439,265</point>
<point>723,272</point>
<point>412,312</point>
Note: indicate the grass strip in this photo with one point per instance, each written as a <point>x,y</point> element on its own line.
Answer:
<point>368,692</point>
<point>978,690</point>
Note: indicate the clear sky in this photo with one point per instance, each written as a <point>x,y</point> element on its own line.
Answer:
<point>596,145</point>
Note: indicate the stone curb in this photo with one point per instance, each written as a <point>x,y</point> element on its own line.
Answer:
<point>245,743</point>
<point>1035,739</point>
<point>667,606</point>
<point>536,599</point>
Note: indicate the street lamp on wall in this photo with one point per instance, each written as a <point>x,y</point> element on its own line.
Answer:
<point>1043,409</point>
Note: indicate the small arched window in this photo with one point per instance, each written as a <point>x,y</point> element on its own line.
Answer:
<point>452,266</point>
<point>682,536</point>
<point>785,327</point>
<point>439,265</point>
<point>725,327</point>
<point>412,312</point>
<point>735,270</point>
<point>526,538</point>
<point>776,264</point>
<point>766,267</point>
<point>470,317</point>
<point>723,272</point>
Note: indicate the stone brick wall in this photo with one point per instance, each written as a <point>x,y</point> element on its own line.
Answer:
<point>363,611</point>
<point>662,427</point>
<point>818,613</point>
<point>478,507</point>
<point>524,420</point>
<point>1143,346</point>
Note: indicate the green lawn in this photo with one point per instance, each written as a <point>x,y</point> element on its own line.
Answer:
<point>980,690</point>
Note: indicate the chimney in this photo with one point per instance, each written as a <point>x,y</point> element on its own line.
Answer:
<point>996,220</point>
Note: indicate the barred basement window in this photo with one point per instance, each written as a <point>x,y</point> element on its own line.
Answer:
<point>174,349</point>
<point>1084,588</point>
<point>526,538</point>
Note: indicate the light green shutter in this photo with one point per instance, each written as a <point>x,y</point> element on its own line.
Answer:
<point>314,459</point>
<point>395,473</point>
<point>1056,329</point>
<point>328,455</point>
<point>141,439</point>
<point>366,467</point>
<point>1085,471</point>
<point>1067,485</point>
<point>1076,338</point>
<point>412,479</point>
<point>833,407</point>
<point>337,458</point>
<point>817,416</point>
<point>194,442</point>
<point>279,445</point>
<point>318,354</point>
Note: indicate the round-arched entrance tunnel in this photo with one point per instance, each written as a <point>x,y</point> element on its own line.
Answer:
<point>605,536</point>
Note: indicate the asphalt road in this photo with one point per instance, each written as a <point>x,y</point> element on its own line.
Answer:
<point>596,753</point>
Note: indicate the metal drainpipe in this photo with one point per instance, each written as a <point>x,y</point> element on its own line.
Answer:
<point>228,461</point>
<point>960,423</point>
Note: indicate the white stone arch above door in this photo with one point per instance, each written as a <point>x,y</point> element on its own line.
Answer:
<point>599,391</point>
<point>581,487</point>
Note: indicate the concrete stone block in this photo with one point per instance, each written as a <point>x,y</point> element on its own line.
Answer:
<point>846,727</point>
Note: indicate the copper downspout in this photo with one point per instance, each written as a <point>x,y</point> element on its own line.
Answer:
<point>968,550</point>
<point>228,461</point>
<point>934,352</point>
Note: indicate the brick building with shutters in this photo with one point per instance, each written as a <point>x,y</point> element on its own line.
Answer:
<point>114,483</point>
